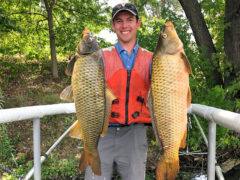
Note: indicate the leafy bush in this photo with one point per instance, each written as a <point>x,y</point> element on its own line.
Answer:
<point>7,148</point>
<point>52,168</point>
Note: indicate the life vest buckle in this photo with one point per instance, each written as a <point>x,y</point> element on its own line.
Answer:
<point>115,101</point>
<point>140,99</point>
<point>115,115</point>
<point>135,115</point>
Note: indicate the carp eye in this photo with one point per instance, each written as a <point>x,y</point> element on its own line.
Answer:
<point>164,36</point>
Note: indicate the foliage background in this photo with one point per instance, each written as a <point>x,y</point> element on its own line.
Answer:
<point>25,73</point>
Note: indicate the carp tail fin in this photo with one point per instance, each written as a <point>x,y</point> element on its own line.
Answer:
<point>91,159</point>
<point>167,169</point>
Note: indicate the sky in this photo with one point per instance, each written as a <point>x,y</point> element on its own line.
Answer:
<point>108,36</point>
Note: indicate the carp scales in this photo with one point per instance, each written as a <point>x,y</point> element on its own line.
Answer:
<point>91,97</point>
<point>169,97</point>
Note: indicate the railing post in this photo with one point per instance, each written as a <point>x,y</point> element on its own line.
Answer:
<point>43,158</point>
<point>36,149</point>
<point>211,150</point>
<point>217,167</point>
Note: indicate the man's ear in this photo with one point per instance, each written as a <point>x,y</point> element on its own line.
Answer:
<point>139,23</point>
<point>112,24</point>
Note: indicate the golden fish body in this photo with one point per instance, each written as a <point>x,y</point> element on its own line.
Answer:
<point>88,87</point>
<point>170,97</point>
<point>92,99</point>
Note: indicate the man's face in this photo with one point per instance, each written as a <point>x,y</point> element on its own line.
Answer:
<point>125,26</point>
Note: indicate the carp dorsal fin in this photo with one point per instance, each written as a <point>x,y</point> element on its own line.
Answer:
<point>75,131</point>
<point>110,96</point>
<point>67,94</point>
<point>189,97</point>
<point>69,69</point>
<point>186,62</point>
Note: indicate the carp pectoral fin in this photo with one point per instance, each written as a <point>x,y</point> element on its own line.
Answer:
<point>110,96</point>
<point>183,141</point>
<point>75,131</point>
<point>186,62</point>
<point>69,69</point>
<point>150,107</point>
<point>167,169</point>
<point>67,94</point>
<point>189,97</point>
<point>149,99</point>
<point>91,159</point>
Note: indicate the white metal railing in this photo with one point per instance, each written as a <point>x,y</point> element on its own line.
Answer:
<point>215,116</point>
<point>35,113</point>
<point>222,117</point>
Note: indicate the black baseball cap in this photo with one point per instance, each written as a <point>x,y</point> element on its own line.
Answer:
<point>124,7</point>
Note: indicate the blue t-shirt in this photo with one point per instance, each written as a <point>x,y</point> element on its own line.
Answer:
<point>128,60</point>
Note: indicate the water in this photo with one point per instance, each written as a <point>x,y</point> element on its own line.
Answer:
<point>233,174</point>
<point>192,175</point>
<point>200,177</point>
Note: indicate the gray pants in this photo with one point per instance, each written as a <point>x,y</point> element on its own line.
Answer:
<point>124,148</point>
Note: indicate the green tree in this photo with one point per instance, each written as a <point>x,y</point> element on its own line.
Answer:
<point>215,26</point>
<point>203,39</point>
<point>231,39</point>
<point>57,22</point>
<point>7,24</point>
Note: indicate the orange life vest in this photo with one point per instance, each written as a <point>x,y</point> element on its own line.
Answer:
<point>130,87</point>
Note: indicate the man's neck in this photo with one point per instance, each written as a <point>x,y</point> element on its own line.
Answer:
<point>128,46</point>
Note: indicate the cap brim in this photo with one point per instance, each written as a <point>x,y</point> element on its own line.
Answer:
<point>124,10</point>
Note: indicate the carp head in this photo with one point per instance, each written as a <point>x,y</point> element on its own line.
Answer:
<point>88,44</point>
<point>169,42</point>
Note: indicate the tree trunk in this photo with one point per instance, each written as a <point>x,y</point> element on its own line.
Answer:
<point>232,36</point>
<point>202,37</point>
<point>49,8</point>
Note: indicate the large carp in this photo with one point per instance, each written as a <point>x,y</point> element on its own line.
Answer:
<point>92,99</point>
<point>169,97</point>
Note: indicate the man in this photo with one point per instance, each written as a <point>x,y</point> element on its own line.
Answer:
<point>127,74</point>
